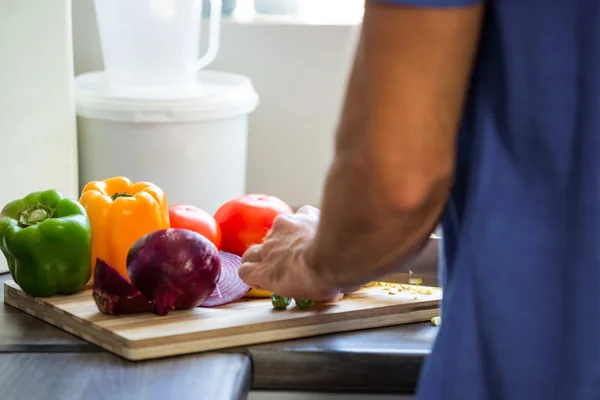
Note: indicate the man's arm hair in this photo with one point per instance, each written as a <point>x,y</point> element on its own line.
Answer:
<point>395,146</point>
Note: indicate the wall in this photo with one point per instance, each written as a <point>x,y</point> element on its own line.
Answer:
<point>298,69</point>
<point>37,129</point>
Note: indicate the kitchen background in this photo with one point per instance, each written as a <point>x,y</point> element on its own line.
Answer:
<point>298,64</point>
<point>297,54</point>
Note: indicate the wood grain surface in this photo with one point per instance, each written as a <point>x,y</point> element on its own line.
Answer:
<point>146,336</point>
<point>102,376</point>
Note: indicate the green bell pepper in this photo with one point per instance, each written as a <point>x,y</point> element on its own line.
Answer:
<point>47,242</point>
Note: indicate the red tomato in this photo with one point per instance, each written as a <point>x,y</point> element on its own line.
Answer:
<point>189,217</point>
<point>245,221</point>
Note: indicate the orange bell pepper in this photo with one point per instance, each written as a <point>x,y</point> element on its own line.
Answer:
<point>120,213</point>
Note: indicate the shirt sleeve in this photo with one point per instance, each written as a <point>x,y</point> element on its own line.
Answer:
<point>431,3</point>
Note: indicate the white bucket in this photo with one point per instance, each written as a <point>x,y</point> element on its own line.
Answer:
<point>194,148</point>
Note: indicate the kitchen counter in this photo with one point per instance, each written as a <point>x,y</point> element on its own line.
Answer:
<point>370,361</point>
<point>383,360</point>
<point>76,376</point>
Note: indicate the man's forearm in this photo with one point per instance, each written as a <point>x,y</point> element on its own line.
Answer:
<point>393,168</point>
<point>361,238</point>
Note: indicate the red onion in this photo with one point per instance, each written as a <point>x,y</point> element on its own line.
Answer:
<point>177,269</point>
<point>114,295</point>
<point>230,287</point>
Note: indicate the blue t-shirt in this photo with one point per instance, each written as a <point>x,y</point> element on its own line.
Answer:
<point>521,307</point>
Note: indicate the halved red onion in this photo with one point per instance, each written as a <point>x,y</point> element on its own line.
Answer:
<point>176,269</point>
<point>230,286</point>
<point>114,295</point>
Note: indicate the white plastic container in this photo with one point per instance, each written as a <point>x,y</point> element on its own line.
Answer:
<point>152,45</point>
<point>37,113</point>
<point>194,148</point>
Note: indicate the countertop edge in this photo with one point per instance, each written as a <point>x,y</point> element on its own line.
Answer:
<point>323,371</point>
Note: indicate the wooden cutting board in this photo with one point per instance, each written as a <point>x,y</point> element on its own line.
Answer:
<point>246,322</point>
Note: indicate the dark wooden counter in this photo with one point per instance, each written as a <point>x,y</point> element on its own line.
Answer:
<point>41,362</point>
<point>384,360</point>
<point>20,332</point>
<point>85,376</point>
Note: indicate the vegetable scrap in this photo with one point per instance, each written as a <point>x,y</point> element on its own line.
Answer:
<point>303,304</point>
<point>414,281</point>
<point>413,290</point>
<point>280,302</point>
<point>114,295</point>
<point>230,286</point>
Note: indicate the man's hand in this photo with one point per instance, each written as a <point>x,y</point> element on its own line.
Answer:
<point>279,264</point>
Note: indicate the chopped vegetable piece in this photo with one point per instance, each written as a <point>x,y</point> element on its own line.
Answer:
<point>303,304</point>
<point>230,286</point>
<point>114,295</point>
<point>394,290</point>
<point>258,293</point>
<point>415,281</point>
<point>436,321</point>
<point>279,302</point>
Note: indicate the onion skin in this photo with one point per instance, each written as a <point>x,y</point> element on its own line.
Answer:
<point>177,269</point>
<point>114,295</point>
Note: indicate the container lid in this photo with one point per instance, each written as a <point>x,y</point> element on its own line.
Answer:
<point>219,95</point>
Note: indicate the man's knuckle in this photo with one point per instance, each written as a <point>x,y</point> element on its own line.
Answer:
<point>282,222</point>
